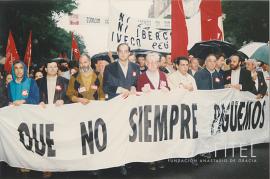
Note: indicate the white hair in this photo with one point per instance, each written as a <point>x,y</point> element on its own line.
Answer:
<point>253,61</point>
<point>153,55</point>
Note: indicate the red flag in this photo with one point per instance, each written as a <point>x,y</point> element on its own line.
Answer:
<point>11,53</point>
<point>74,48</point>
<point>28,52</point>
<point>179,30</point>
<point>210,12</point>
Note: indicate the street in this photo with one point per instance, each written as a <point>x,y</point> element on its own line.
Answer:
<point>254,164</point>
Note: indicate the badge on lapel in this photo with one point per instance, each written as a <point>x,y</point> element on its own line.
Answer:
<point>94,87</point>
<point>163,83</point>
<point>25,93</point>
<point>82,89</point>
<point>217,80</point>
<point>58,88</point>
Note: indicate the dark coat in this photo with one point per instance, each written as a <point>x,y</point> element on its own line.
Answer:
<point>262,86</point>
<point>114,78</point>
<point>245,80</point>
<point>3,94</point>
<point>60,94</point>
<point>204,81</point>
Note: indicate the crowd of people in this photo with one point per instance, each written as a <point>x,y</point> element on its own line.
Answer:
<point>58,83</point>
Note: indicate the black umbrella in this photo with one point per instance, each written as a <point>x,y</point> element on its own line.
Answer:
<point>59,60</point>
<point>103,56</point>
<point>202,49</point>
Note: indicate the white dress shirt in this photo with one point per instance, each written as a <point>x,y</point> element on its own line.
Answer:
<point>235,76</point>
<point>124,70</point>
<point>51,84</point>
<point>176,79</point>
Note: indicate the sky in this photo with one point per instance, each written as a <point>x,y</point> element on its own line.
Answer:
<point>95,36</point>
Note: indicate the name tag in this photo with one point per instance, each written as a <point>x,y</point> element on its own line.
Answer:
<point>82,89</point>
<point>25,93</point>
<point>163,83</point>
<point>94,87</point>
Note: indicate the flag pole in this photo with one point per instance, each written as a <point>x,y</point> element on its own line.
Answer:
<point>11,61</point>
<point>28,67</point>
<point>71,54</point>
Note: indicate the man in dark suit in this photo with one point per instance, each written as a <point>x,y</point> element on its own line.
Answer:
<point>237,77</point>
<point>121,77</point>
<point>208,78</point>
<point>3,94</point>
<point>258,78</point>
<point>52,88</point>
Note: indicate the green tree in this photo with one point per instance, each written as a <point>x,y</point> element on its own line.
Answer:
<point>48,40</point>
<point>246,21</point>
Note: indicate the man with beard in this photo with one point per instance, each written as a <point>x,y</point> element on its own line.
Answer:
<point>85,85</point>
<point>237,77</point>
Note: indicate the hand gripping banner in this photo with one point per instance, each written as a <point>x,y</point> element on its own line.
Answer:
<point>146,128</point>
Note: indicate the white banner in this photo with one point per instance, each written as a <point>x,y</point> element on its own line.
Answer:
<point>142,128</point>
<point>87,19</point>
<point>125,29</point>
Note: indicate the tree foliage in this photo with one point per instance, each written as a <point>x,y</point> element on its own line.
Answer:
<point>48,40</point>
<point>246,21</point>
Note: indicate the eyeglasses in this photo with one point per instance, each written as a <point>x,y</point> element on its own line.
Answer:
<point>38,76</point>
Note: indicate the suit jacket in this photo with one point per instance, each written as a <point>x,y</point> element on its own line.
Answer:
<point>60,90</point>
<point>204,81</point>
<point>245,80</point>
<point>3,94</point>
<point>114,78</point>
<point>262,86</point>
<point>95,91</point>
<point>143,79</point>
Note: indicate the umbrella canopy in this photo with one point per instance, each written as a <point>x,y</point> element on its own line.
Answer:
<point>250,48</point>
<point>202,49</point>
<point>262,54</point>
<point>144,52</point>
<point>103,56</point>
<point>59,60</point>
